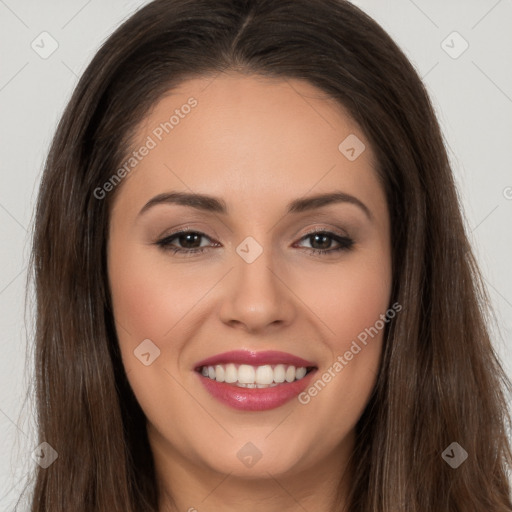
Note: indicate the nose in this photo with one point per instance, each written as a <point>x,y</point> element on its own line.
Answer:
<point>256,296</point>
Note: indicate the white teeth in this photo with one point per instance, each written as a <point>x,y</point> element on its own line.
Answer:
<point>290,374</point>
<point>231,374</point>
<point>219,373</point>
<point>247,376</point>
<point>301,372</point>
<point>279,373</point>
<point>264,375</point>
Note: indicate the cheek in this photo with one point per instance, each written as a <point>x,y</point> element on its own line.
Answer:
<point>144,308</point>
<point>150,298</point>
<point>349,299</point>
<point>148,304</point>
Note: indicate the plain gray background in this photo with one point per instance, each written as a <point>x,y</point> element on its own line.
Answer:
<point>471,91</point>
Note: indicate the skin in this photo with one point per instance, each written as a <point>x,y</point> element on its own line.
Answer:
<point>257,144</point>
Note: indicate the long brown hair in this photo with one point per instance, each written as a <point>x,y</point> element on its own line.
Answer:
<point>440,379</point>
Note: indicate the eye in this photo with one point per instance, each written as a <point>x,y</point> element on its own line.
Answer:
<point>189,239</point>
<point>324,239</point>
<point>190,242</point>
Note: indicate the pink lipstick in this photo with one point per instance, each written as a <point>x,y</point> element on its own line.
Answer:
<point>255,381</point>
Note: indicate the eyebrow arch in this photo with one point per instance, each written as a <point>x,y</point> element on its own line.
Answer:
<point>212,204</point>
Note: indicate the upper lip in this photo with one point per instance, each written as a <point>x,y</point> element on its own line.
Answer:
<point>255,359</point>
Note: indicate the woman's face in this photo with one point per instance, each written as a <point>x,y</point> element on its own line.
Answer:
<point>261,150</point>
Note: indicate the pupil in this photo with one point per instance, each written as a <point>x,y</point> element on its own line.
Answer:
<point>326,243</point>
<point>187,238</point>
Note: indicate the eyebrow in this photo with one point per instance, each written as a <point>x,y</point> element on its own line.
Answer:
<point>216,205</point>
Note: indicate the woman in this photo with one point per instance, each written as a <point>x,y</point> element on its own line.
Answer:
<point>253,371</point>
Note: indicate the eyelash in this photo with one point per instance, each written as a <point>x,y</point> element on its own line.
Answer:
<point>345,242</point>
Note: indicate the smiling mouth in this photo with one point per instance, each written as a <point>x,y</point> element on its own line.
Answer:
<point>248,376</point>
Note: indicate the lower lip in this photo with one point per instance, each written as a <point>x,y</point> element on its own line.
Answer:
<point>256,399</point>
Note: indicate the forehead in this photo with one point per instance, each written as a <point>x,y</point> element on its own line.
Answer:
<point>251,136</point>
